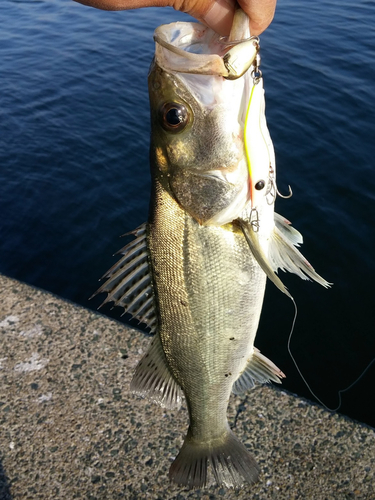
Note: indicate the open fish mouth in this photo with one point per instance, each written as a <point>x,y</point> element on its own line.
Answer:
<point>194,48</point>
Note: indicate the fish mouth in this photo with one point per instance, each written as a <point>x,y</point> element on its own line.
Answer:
<point>203,62</point>
<point>194,48</point>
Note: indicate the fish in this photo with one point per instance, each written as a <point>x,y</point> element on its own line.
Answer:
<point>195,272</point>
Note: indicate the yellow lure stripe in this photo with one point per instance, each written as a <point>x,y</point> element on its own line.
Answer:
<point>245,131</point>
<point>247,152</point>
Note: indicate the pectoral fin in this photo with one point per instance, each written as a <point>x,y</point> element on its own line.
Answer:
<point>259,369</point>
<point>153,379</point>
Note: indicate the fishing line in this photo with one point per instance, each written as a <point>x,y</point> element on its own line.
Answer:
<point>294,360</point>
<point>341,391</point>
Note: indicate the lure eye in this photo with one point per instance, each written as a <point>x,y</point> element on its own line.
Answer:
<point>259,185</point>
<point>174,117</point>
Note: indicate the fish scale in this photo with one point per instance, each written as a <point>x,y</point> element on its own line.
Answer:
<point>194,320</point>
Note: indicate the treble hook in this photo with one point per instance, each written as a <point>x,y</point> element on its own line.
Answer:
<point>285,196</point>
<point>271,191</point>
<point>254,221</point>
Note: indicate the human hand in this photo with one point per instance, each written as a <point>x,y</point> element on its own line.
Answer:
<point>217,14</point>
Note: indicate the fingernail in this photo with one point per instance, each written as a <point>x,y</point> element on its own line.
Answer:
<point>220,16</point>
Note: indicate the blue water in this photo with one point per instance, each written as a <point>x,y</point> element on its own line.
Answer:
<point>74,174</point>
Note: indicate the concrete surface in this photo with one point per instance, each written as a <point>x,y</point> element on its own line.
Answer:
<point>69,428</point>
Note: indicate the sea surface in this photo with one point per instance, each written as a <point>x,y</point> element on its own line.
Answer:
<point>74,169</point>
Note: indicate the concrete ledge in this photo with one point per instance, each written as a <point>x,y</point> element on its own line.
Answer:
<point>71,429</point>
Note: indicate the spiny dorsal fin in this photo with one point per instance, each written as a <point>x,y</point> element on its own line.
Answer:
<point>153,379</point>
<point>258,369</point>
<point>129,283</point>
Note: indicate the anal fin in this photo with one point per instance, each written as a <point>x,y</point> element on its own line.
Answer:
<point>258,369</point>
<point>153,379</point>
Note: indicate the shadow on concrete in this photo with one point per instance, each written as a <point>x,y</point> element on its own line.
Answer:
<point>4,485</point>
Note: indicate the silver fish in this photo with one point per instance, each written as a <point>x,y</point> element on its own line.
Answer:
<point>195,273</point>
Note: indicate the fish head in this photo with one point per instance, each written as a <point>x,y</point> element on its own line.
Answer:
<point>197,123</point>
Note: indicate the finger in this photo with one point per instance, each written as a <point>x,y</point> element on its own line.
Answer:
<point>218,15</point>
<point>125,4</point>
<point>260,12</point>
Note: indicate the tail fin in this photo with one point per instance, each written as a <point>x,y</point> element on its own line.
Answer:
<point>232,465</point>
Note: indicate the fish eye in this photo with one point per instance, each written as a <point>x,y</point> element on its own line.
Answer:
<point>260,185</point>
<point>174,117</point>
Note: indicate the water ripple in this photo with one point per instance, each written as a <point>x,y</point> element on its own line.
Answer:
<point>74,161</point>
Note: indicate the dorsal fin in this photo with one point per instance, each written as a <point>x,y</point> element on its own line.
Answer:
<point>129,283</point>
